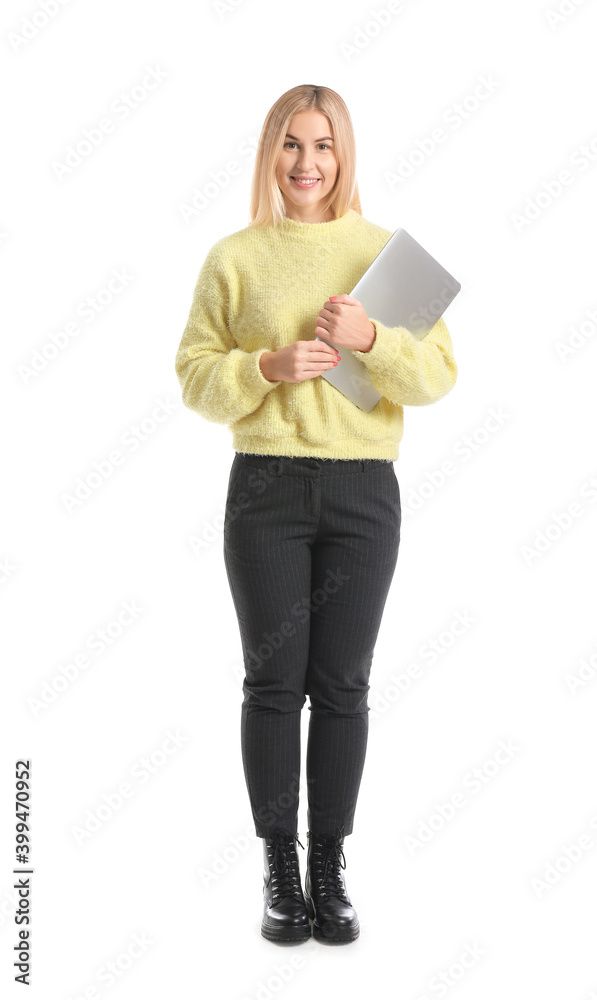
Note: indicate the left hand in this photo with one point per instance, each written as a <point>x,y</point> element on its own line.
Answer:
<point>344,323</point>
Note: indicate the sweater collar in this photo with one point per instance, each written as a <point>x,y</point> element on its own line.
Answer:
<point>315,229</point>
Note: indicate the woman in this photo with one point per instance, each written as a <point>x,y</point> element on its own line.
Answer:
<point>312,524</point>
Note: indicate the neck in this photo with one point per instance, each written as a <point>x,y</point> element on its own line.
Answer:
<point>308,214</point>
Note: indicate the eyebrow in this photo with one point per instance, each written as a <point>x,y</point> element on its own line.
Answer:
<point>289,136</point>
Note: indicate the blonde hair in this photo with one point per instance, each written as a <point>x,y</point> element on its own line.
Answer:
<point>267,204</point>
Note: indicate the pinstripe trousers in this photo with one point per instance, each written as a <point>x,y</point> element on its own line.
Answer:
<point>310,549</point>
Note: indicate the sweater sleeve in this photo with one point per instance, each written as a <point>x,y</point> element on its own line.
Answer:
<point>218,380</point>
<point>409,371</point>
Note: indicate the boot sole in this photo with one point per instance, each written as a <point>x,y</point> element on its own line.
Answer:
<point>299,934</point>
<point>338,937</point>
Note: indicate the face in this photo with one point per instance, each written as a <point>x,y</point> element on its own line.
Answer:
<point>308,152</point>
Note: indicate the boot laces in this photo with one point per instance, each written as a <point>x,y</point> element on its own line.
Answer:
<point>285,880</point>
<point>327,860</point>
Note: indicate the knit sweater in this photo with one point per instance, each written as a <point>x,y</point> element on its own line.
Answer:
<point>261,289</point>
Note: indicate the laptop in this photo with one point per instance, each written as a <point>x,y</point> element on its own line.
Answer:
<point>403,286</point>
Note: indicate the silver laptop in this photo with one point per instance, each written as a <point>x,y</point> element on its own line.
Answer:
<point>403,286</point>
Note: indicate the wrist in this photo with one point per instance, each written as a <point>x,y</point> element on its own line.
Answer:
<point>373,337</point>
<point>264,366</point>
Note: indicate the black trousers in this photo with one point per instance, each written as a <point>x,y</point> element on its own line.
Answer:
<point>310,549</point>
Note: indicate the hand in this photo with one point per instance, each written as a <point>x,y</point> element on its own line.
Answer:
<point>344,323</point>
<point>298,361</point>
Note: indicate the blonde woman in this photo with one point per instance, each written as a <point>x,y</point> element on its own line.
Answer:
<point>312,523</point>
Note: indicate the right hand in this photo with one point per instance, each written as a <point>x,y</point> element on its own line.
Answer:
<point>298,361</point>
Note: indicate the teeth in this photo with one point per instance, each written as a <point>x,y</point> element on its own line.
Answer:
<point>306,183</point>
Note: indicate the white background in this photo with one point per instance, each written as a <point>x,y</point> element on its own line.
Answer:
<point>177,863</point>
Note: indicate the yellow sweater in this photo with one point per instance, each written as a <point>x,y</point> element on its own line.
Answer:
<point>260,290</point>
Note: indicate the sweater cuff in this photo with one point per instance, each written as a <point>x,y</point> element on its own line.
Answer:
<point>250,377</point>
<point>384,350</point>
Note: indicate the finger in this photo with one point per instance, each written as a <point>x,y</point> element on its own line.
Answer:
<point>322,332</point>
<point>330,355</point>
<point>317,369</point>
<point>323,350</point>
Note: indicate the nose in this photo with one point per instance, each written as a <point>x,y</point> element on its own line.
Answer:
<point>303,164</point>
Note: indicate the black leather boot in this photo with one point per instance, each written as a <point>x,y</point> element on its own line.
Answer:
<point>334,918</point>
<point>285,916</point>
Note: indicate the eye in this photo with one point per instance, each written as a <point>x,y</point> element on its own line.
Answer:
<point>320,144</point>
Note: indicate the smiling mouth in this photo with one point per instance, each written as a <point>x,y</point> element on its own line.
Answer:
<point>306,181</point>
